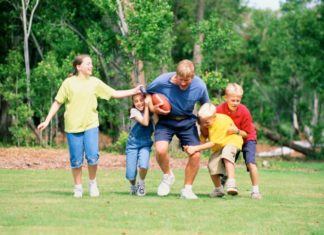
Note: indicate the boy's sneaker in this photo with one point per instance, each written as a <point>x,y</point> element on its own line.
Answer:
<point>256,195</point>
<point>141,190</point>
<point>188,194</point>
<point>165,185</point>
<point>231,188</point>
<point>93,190</point>
<point>77,192</point>
<point>232,191</point>
<point>132,190</point>
<point>217,193</point>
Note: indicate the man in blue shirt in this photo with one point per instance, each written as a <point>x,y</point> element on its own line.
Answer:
<point>183,90</point>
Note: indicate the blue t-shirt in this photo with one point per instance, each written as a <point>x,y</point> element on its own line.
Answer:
<point>182,101</point>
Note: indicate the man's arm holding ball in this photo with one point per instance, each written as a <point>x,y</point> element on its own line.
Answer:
<point>155,108</point>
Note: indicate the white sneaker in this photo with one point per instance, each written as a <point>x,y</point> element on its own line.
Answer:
<point>93,190</point>
<point>141,190</point>
<point>188,194</point>
<point>133,190</point>
<point>165,185</point>
<point>77,192</point>
<point>231,187</point>
<point>217,193</point>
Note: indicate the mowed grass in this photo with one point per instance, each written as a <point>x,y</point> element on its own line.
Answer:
<point>41,202</point>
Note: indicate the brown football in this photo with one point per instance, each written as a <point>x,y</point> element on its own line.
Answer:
<point>161,101</point>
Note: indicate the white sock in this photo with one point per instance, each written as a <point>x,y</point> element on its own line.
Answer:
<point>140,181</point>
<point>255,188</point>
<point>188,186</point>
<point>230,181</point>
<point>78,186</point>
<point>92,182</point>
<point>220,188</point>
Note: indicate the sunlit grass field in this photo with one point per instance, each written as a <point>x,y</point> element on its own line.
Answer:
<point>41,202</point>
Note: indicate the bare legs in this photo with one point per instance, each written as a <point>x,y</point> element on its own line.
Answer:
<point>163,160</point>
<point>77,173</point>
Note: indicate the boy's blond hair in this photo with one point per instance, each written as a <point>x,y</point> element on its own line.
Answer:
<point>185,69</point>
<point>234,88</point>
<point>207,110</point>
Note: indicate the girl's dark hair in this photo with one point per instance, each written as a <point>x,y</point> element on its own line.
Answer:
<point>77,61</point>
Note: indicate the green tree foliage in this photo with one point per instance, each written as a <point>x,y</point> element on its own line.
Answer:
<point>276,56</point>
<point>12,89</point>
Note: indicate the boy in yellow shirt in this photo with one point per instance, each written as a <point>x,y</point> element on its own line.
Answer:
<point>224,146</point>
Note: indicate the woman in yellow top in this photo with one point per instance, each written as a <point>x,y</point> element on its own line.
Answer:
<point>79,93</point>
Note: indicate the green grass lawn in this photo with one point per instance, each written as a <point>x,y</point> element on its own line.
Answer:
<point>41,202</point>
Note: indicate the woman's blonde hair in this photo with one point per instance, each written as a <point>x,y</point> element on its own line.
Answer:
<point>207,110</point>
<point>185,69</point>
<point>234,88</point>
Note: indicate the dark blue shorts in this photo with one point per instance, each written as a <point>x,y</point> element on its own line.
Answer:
<point>185,130</point>
<point>249,150</point>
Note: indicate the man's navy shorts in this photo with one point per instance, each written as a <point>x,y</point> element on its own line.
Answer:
<point>185,130</point>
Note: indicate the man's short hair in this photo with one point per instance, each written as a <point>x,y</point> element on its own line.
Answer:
<point>185,69</point>
<point>207,110</point>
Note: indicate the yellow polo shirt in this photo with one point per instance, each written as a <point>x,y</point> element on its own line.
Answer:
<point>217,133</point>
<point>80,98</point>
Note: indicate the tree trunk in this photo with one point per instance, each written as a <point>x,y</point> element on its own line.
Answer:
<point>27,24</point>
<point>137,74</point>
<point>294,115</point>
<point>197,52</point>
<point>277,138</point>
<point>315,110</point>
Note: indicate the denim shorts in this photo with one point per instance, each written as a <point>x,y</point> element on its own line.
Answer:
<point>83,144</point>
<point>136,157</point>
<point>185,130</point>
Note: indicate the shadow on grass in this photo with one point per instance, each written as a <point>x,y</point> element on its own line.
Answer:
<point>148,194</point>
<point>57,193</point>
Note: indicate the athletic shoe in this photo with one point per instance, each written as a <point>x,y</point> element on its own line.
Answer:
<point>232,191</point>
<point>165,185</point>
<point>77,192</point>
<point>93,190</point>
<point>188,194</point>
<point>141,190</point>
<point>132,190</point>
<point>217,193</point>
<point>231,188</point>
<point>255,195</point>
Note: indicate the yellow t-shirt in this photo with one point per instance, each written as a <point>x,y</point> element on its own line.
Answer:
<point>80,98</point>
<point>217,133</point>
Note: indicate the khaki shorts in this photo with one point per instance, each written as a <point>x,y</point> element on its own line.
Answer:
<point>216,165</point>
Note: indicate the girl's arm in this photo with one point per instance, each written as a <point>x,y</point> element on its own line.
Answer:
<point>126,93</point>
<point>53,110</point>
<point>145,119</point>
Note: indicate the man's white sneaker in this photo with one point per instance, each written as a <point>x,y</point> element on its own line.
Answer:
<point>77,192</point>
<point>165,185</point>
<point>141,190</point>
<point>93,190</point>
<point>188,194</point>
